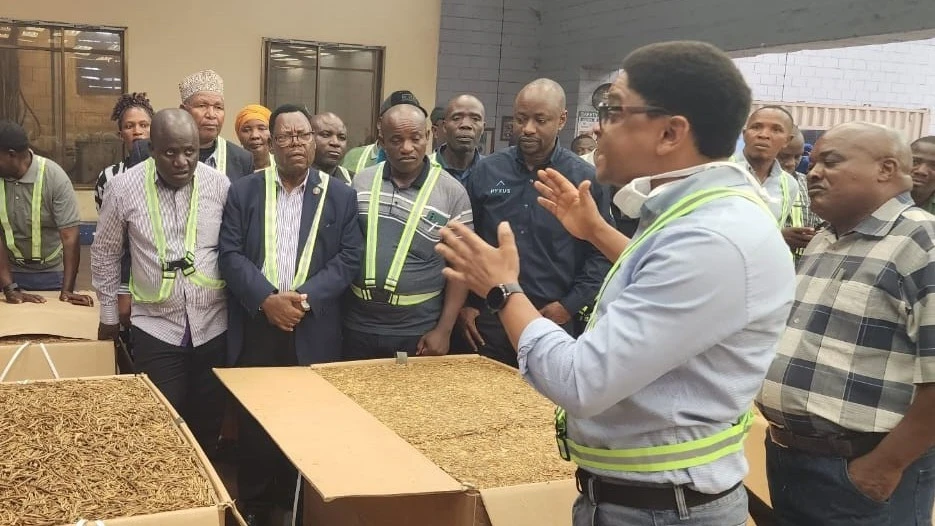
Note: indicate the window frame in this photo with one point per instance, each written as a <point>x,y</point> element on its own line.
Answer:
<point>57,52</point>
<point>377,70</point>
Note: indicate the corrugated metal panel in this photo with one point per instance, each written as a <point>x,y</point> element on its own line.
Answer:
<point>912,123</point>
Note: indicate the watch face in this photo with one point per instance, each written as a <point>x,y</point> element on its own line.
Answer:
<point>495,298</point>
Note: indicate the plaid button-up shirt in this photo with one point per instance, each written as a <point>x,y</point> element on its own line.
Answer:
<point>861,334</point>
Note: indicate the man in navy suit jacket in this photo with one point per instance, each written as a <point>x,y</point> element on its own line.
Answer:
<point>289,247</point>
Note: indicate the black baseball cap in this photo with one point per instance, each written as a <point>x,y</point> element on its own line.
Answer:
<point>13,137</point>
<point>401,97</point>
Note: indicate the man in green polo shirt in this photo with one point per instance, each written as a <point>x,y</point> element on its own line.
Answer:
<point>38,218</point>
<point>923,173</point>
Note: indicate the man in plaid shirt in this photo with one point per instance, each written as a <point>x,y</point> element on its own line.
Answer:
<point>850,397</point>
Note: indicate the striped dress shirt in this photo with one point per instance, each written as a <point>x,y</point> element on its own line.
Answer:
<point>288,219</point>
<point>124,213</point>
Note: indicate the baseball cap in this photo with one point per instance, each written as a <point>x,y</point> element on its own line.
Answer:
<point>401,97</point>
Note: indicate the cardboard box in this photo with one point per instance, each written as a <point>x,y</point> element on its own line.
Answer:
<point>224,512</point>
<point>54,317</point>
<point>48,361</point>
<point>754,449</point>
<point>360,473</point>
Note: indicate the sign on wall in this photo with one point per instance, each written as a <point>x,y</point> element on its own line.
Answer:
<point>587,120</point>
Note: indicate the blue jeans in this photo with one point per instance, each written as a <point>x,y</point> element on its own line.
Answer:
<point>810,489</point>
<point>39,280</point>
<point>729,510</point>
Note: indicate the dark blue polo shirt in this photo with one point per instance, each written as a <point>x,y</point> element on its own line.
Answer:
<point>460,175</point>
<point>554,265</point>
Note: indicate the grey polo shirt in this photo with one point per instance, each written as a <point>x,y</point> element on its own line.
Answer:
<point>59,211</point>
<point>422,270</point>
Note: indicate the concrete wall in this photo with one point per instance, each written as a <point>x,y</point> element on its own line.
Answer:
<point>897,75</point>
<point>178,37</point>
<point>472,35</point>
<point>579,39</point>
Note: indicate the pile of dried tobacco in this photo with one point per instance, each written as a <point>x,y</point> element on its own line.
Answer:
<point>35,338</point>
<point>477,420</point>
<point>92,449</point>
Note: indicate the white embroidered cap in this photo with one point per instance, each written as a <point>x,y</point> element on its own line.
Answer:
<point>205,80</point>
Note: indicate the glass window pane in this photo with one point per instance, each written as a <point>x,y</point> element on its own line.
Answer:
<point>347,58</point>
<point>32,36</point>
<point>291,76</point>
<point>91,87</point>
<point>349,94</point>
<point>26,97</point>
<point>91,40</point>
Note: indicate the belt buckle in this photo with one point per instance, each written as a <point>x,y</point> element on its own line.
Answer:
<point>380,295</point>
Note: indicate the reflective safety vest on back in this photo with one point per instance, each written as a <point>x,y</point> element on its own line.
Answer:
<point>387,293</point>
<point>671,456</point>
<point>35,222</point>
<point>270,218</point>
<point>170,269</point>
<point>364,157</point>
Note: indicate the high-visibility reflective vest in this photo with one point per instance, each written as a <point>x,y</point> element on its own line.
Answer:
<point>364,157</point>
<point>170,269</point>
<point>671,456</point>
<point>35,222</point>
<point>220,155</point>
<point>387,293</point>
<point>789,195</point>
<point>344,174</point>
<point>270,217</point>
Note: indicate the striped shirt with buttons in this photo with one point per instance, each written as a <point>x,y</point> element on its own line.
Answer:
<point>124,214</point>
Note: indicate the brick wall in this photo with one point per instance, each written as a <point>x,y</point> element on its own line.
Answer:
<point>896,75</point>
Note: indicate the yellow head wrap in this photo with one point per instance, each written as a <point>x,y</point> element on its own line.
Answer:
<point>251,112</point>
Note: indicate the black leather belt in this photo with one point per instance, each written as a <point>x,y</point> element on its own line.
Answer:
<point>849,447</point>
<point>602,490</point>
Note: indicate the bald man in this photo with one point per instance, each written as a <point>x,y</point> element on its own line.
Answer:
<point>462,126</point>
<point>850,397</point>
<point>179,312</point>
<point>401,302</point>
<point>330,145</point>
<point>561,274</point>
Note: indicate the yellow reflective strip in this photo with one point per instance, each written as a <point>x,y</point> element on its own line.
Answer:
<point>191,235</point>
<point>364,157</point>
<point>5,223</point>
<point>660,466</point>
<point>220,155</point>
<point>345,174</point>
<point>270,243</point>
<point>681,208</point>
<point>412,223</point>
<point>786,199</point>
<point>37,211</point>
<point>407,300</point>
<point>305,260</point>
<point>373,213</point>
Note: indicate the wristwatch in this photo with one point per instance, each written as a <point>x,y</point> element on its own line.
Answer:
<point>497,296</point>
<point>11,288</point>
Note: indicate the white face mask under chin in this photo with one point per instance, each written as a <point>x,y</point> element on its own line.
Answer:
<point>630,198</point>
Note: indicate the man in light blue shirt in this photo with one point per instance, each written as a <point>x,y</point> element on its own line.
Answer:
<point>658,389</point>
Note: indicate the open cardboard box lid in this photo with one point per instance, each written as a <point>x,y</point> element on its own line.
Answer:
<point>344,451</point>
<point>54,317</point>
<point>72,359</point>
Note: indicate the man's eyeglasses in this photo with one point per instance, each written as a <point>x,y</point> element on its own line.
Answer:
<point>286,140</point>
<point>606,112</point>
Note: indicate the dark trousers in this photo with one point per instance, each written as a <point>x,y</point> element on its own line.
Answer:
<point>184,376</point>
<point>266,479</point>
<point>808,489</point>
<point>360,345</point>
<point>497,345</point>
<point>37,281</point>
